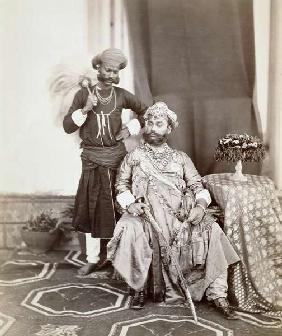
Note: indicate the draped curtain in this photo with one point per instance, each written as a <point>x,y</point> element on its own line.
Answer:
<point>198,57</point>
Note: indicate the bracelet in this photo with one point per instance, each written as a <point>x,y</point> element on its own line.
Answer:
<point>201,206</point>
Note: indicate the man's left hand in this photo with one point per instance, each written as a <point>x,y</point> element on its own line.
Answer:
<point>137,209</point>
<point>123,134</point>
<point>196,215</point>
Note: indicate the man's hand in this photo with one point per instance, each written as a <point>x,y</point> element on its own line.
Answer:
<point>137,209</point>
<point>123,134</point>
<point>89,105</point>
<point>196,215</point>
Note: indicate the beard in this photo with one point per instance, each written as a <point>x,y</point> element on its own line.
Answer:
<point>155,139</point>
<point>103,79</point>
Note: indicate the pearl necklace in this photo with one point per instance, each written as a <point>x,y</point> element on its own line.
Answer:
<point>160,157</point>
<point>104,100</point>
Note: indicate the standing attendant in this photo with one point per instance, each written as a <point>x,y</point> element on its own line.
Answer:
<point>96,113</point>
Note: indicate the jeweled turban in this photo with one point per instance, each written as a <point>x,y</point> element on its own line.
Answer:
<point>160,109</point>
<point>111,56</point>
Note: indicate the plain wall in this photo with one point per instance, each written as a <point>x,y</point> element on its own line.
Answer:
<point>36,155</point>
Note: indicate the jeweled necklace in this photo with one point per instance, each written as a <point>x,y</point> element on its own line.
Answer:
<point>104,100</point>
<point>103,119</point>
<point>160,156</point>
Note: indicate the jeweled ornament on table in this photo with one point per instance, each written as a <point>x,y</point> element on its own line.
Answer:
<point>239,148</point>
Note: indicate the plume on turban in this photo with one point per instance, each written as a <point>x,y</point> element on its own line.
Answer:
<point>111,56</point>
<point>160,109</point>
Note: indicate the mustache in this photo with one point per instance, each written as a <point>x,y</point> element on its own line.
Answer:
<point>104,79</point>
<point>154,138</point>
<point>153,133</point>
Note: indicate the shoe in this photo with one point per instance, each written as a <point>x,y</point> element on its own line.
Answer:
<point>130,291</point>
<point>137,301</point>
<point>102,264</point>
<point>223,306</point>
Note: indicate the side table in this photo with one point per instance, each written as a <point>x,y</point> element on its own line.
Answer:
<point>253,224</point>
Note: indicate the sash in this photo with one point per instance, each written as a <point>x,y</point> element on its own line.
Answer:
<point>108,157</point>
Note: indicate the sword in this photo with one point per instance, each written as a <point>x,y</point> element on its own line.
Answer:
<point>183,284</point>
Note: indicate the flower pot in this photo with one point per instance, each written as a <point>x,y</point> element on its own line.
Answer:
<point>40,242</point>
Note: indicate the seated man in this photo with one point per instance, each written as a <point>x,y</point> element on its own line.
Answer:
<point>164,182</point>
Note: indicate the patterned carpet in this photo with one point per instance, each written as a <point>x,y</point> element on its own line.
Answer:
<point>43,295</point>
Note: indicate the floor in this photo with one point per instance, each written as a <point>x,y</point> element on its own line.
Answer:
<point>43,295</point>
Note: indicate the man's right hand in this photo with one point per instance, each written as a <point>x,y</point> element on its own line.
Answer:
<point>89,105</point>
<point>137,209</point>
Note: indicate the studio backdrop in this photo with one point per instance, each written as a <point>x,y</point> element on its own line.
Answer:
<point>198,57</point>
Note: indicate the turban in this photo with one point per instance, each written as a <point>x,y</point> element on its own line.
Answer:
<point>111,56</point>
<point>160,109</point>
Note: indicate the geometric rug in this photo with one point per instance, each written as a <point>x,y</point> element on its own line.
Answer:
<point>42,295</point>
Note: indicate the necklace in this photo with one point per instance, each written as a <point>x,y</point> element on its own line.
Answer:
<point>104,100</point>
<point>160,157</point>
<point>103,119</point>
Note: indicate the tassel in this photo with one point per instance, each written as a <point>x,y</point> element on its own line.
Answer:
<point>109,126</point>
<point>99,125</point>
<point>103,122</point>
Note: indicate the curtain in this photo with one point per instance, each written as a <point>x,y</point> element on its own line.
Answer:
<point>198,57</point>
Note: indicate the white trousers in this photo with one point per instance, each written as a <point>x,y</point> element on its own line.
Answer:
<point>92,249</point>
<point>218,288</point>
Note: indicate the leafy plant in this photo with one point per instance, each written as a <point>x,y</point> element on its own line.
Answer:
<point>44,222</point>
<point>65,223</point>
<point>68,212</point>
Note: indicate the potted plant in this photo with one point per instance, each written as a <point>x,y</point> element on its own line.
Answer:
<point>68,214</point>
<point>41,232</point>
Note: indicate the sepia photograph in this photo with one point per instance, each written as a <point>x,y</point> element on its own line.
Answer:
<point>141,167</point>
